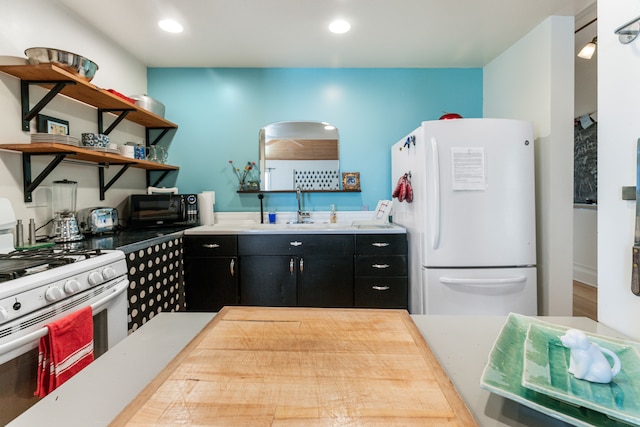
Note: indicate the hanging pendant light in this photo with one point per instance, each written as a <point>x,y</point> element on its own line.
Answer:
<point>589,49</point>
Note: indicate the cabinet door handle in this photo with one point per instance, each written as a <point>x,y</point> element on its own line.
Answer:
<point>210,245</point>
<point>380,288</point>
<point>232,267</point>
<point>381,266</point>
<point>295,243</point>
<point>379,244</point>
<point>301,265</point>
<point>291,266</point>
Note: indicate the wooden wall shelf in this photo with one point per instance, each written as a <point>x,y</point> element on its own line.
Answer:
<point>46,75</point>
<point>59,81</point>
<point>62,151</point>
<point>293,191</point>
<point>85,154</point>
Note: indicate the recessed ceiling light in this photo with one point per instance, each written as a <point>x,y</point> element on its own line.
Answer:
<point>170,26</point>
<point>339,26</point>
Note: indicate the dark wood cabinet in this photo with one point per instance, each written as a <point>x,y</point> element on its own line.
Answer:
<point>211,272</point>
<point>381,279</point>
<point>268,280</point>
<point>325,281</point>
<point>305,270</point>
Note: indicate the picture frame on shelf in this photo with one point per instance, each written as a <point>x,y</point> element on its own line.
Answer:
<point>47,124</point>
<point>351,181</point>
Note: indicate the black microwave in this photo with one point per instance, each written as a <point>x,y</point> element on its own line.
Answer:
<point>154,210</point>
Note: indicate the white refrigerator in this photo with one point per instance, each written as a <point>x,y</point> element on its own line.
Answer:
<point>471,223</point>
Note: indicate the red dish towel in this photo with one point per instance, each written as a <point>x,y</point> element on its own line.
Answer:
<point>65,350</point>
<point>404,190</point>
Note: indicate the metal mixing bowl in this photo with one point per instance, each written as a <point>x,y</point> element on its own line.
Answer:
<point>71,62</point>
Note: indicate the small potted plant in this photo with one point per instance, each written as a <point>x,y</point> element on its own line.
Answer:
<point>243,174</point>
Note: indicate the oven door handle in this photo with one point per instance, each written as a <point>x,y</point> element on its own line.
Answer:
<point>96,307</point>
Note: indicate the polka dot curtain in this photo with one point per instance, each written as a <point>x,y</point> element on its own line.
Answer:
<point>156,276</point>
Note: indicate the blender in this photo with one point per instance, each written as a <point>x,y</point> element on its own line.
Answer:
<point>65,225</point>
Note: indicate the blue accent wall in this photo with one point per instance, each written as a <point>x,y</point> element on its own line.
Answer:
<point>219,112</point>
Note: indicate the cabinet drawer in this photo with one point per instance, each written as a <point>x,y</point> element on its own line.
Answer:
<point>381,244</point>
<point>297,244</point>
<point>211,245</point>
<point>381,292</point>
<point>385,265</point>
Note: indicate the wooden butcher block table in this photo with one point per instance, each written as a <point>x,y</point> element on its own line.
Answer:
<point>263,366</point>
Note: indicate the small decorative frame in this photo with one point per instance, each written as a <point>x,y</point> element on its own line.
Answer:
<point>351,181</point>
<point>52,125</point>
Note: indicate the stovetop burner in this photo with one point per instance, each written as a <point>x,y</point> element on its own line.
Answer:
<point>24,262</point>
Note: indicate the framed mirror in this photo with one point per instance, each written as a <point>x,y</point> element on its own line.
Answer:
<point>301,154</point>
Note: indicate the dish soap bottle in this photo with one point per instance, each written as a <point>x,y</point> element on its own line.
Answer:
<point>333,218</point>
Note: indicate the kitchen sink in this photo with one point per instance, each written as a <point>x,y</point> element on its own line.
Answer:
<point>302,226</point>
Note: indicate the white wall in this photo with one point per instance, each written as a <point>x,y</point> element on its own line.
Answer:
<point>586,81</point>
<point>585,217</point>
<point>48,23</point>
<point>533,80</point>
<point>585,243</point>
<point>619,129</point>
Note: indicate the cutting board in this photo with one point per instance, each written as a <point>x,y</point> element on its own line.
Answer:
<point>265,366</point>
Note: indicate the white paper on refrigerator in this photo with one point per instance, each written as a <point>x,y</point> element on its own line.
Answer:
<point>467,168</point>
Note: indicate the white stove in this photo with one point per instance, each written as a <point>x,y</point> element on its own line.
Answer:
<point>33,279</point>
<point>40,286</point>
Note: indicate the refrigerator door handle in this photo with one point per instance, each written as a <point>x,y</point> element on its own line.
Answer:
<point>497,282</point>
<point>435,233</point>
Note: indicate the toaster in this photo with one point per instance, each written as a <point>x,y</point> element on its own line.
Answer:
<point>97,220</point>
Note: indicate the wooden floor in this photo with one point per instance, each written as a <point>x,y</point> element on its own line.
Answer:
<point>585,300</point>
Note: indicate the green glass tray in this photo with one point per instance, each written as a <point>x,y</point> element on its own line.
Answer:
<point>546,370</point>
<point>503,376</point>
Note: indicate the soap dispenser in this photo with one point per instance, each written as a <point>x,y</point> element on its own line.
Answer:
<point>333,218</point>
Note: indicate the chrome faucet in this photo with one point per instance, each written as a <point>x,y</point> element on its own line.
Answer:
<point>298,198</point>
<point>301,215</point>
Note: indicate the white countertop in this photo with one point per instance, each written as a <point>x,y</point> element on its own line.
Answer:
<point>102,390</point>
<point>364,227</point>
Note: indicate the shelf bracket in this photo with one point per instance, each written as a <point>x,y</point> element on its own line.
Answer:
<point>157,139</point>
<point>28,114</point>
<point>120,117</point>
<point>104,187</point>
<point>157,182</point>
<point>31,185</point>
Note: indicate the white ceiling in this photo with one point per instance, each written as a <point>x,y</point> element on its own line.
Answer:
<point>293,33</point>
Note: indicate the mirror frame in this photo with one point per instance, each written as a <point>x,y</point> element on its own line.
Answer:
<point>293,131</point>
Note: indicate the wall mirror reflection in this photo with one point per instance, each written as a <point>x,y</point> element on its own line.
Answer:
<point>301,154</point>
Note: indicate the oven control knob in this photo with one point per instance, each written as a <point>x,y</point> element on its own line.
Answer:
<point>53,293</point>
<point>3,314</point>
<point>108,273</point>
<point>72,286</point>
<point>95,278</point>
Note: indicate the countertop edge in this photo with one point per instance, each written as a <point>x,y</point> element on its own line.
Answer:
<point>138,358</point>
<point>204,230</point>
<point>133,247</point>
<point>460,343</point>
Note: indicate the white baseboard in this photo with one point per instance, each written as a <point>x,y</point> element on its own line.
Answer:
<point>585,274</point>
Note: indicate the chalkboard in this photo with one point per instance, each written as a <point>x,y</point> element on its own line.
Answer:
<point>585,164</point>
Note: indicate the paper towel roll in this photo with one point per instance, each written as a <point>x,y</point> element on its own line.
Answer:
<point>213,196</point>
<point>205,207</point>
